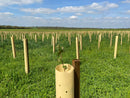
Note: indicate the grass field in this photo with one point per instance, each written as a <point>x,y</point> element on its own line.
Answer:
<point>60,29</point>
<point>101,76</point>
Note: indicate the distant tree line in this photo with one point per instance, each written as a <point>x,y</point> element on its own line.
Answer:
<point>63,28</point>
<point>13,27</point>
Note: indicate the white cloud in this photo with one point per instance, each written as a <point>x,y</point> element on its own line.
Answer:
<point>91,9</point>
<point>94,6</point>
<point>71,9</point>
<point>78,14</point>
<point>56,18</point>
<point>18,2</point>
<point>112,5</point>
<point>104,22</point>
<point>91,12</point>
<point>102,6</point>
<point>39,10</point>
<point>73,17</point>
<point>107,18</point>
<point>118,17</point>
<point>5,14</point>
<point>31,17</point>
<point>127,12</point>
<point>126,1</point>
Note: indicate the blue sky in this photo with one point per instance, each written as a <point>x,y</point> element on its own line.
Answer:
<point>66,13</point>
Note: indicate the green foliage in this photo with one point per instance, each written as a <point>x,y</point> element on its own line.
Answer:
<point>59,51</point>
<point>101,76</point>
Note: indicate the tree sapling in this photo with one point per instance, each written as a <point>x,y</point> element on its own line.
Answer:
<point>60,50</point>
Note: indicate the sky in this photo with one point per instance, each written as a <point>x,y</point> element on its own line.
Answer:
<point>66,13</point>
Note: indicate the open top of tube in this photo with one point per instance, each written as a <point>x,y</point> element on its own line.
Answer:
<point>61,69</point>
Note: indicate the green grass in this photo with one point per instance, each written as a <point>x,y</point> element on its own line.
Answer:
<point>101,76</point>
<point>60,30</point>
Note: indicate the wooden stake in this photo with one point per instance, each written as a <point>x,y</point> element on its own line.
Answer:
<point>13,47</point>
<point>47,35</point>
<point>2,38</point>
<point>30,35</point>
<point>16,36</point>
<point>90,39</point>
<point>56,37</point>
<point>38,34</point>
<point>43,37</point>
<point>99,40</point>
<point>76,65</point>
<point>24,36</point>
<point>77,48</point>
<point>19,36</point>
<point>116,43</point>
<point>80,42</point>
<point>26,57</point>
<point>35,38</point>
<point>121,39</point>
<point>53,42</point>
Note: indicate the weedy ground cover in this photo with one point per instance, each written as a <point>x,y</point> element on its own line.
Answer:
<point>101,76</point>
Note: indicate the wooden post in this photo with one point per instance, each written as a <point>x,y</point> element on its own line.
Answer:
<point>47,35</point>
<point>13,47</point>
<point>20,36</point>
<point>24,36</point>
<point>116,43</point>
<point>99,40</point>
<point>56,37</point>
<point>111,40</point>
<point>90,39</point>
<point>76,65</point>
<point>121,39</point>
<point>35,38</point>
<point>43,37</point>
<point>38,34</point>
<point>77,48</point>
<point>2,38</point>
<point>53,42</point>
<point>80,42</point>
<point>16,36</point>
<point>26,57</point>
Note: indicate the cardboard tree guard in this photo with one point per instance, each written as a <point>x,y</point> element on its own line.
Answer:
<point>64,81</point>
